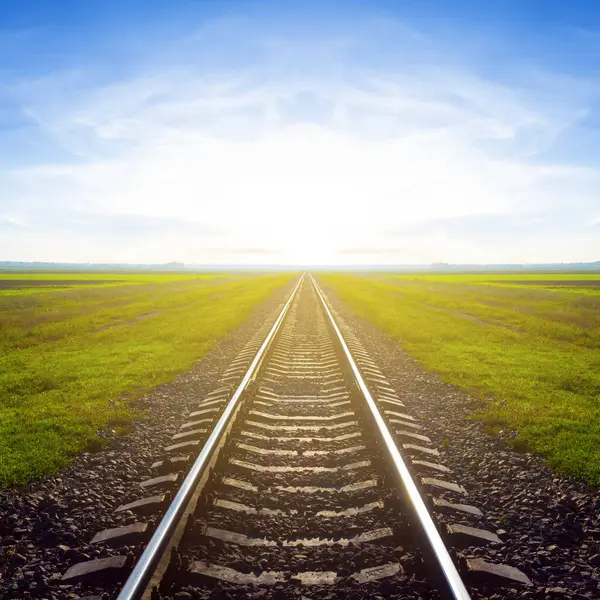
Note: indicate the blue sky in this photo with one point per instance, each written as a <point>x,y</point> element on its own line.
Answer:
<point>292,132</point>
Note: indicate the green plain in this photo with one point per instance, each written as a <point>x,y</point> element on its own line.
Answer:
<point>526,345</point>
<point>73,358</point>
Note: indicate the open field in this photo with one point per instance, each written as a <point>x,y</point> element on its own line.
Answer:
<point>25,282</point>
<point>527,345</point>
<point>73,357</point>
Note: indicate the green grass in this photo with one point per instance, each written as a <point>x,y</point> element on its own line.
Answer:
<point>90,275</point>
<point>499,278</point>
<point>53,281</point>
<point>530,353</point>
<point>72,359</point>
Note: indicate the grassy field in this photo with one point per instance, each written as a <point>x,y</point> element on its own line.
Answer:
<point>76,348</point>
<point>527,345</point>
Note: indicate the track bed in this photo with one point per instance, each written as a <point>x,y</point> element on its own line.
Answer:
<point>302,495</point>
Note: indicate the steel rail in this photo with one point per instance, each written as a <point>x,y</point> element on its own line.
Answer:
<point>138,580</point>
<point>455,586</point>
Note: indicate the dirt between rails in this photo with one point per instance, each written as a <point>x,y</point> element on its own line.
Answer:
<point>46,527</point>
<point>550,524</point>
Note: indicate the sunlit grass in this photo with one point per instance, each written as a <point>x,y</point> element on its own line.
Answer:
<point>498,278</point>
<point>50,282</point>
<point>116,276</point>
<point>72,360</point>
<point>530,353</point>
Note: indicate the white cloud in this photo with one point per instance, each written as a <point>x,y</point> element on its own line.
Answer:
<point>302,168</point>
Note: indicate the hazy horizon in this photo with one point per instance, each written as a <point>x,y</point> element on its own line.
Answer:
<point>9,266</point>
<point>337,133</point>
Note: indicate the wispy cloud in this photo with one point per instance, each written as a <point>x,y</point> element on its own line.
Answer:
<point>365,251</point>
<point>117,225</point>
<point>304,156</point>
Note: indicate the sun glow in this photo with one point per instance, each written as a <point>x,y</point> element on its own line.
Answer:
<point>301,195</point>
<point>401,174</point>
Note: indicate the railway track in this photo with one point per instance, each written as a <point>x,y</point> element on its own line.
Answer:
<point>309,478</point>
